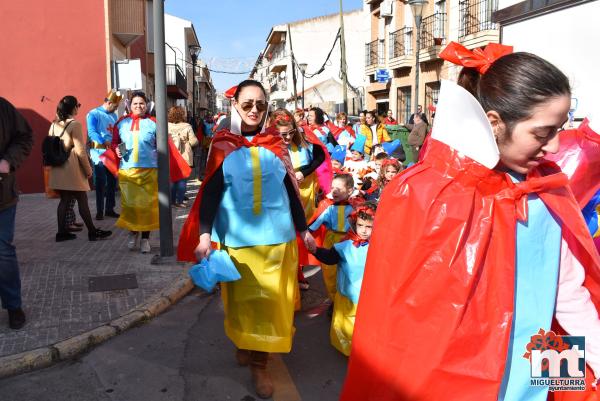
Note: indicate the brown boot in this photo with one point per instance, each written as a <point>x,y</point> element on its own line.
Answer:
<point>263,385</point>
<point>242,356</point>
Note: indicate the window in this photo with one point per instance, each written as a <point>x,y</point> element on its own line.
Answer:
<point>403,96</point>
<point>432,93</point>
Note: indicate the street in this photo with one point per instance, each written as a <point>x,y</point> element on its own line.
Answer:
<point>184,355</point>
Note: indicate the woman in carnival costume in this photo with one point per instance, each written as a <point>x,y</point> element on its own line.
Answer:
<point>138,172</point>
<point>497,249</point>
<point>249,205</point>
<point>317,125</point>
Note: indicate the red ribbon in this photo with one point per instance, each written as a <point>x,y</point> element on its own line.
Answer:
<point>478,59</point>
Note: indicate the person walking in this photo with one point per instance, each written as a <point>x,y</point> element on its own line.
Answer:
<point>184,140</point>
<point>16,141</point>
<point>249,204</point>
<point>100,123</point>
<point>134,141</point>
<point>70,179</point>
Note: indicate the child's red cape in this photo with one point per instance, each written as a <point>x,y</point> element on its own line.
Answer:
<point>178,167</point>
<point>223,143</point>
<point>435,315</point>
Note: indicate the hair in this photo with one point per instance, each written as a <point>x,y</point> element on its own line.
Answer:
<point>138,94</point>
<point>381,156</point>
<point>299,112</point>
<point>319,115</point>
<point>363,112</point>
<point>283,118</point>
<point>341,115</point>
<point>177,114</point>
<point>346,178</point>
<point>245,84</point>
<point>514,85</point>
<point>66,107</point>
<point>363,215</point>
<point>373,114</point>
<point>392,163</point>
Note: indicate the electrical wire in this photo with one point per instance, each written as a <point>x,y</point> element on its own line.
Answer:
<point>230,72</point>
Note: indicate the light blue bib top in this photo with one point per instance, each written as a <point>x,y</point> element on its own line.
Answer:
<point>536,284</point>
<point>141,145</point>
<point>330,218</point>
<point>350,269</point>
<point>253,213</point>
<point>322,135</point>
<point>300,157</point>
<point>100,125</point>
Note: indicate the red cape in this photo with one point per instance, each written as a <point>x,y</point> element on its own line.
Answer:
<point>434,319</point>
<point>223,143</point>
<point>324,171</point>
<point>579,158</point>
<point>178,167</point>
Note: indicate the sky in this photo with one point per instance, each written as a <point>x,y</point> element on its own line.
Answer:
<point>232,33</point>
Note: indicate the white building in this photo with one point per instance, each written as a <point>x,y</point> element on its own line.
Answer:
<point>311,41</point>
<point>179,36</point>
<point>567,28</point>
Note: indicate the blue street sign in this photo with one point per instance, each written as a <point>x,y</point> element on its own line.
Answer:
<point>382,75</point>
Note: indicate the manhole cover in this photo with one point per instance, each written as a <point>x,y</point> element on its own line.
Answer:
<point>112,283</point>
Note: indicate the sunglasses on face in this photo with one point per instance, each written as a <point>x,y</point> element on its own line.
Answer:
<point>288,133</point>
<point>249,104</point>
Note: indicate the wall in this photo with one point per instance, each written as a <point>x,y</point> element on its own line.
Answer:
<point>55,49</point>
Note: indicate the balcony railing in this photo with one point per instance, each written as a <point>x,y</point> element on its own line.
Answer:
<point>371,53</point>
<point>175,77</point>
<point>476,16</point>
<point>433,31</point>
<point>401,42</point>
<point>278,86</point>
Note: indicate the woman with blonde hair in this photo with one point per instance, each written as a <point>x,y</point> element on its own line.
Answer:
<point>184,139</point>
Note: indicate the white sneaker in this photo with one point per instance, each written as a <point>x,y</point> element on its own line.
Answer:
<point>145,245</point>
<point>132,241</point>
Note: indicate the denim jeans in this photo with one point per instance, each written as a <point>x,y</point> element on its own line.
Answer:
<point>105,184</point>
<point>10,280</point>
<point>178,191</point>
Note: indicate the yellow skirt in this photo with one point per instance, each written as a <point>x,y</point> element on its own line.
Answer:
<point>342,324</point>
<point>330,271</point>
<point>259,308</point>
<point>308,195</point>
<point>139,199</point>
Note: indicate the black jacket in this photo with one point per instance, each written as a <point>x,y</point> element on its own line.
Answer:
<point>16,141</point>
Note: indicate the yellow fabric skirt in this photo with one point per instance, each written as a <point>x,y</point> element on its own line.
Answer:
<point>308,195</point>
<point>259,308</point>
<point>342,324</point>
<point>139,199</point>
<point>330,271</point>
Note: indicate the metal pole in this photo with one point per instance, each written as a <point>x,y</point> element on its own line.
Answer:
<point>162,145</point>
<point>194,91</point>
<point>343,61</point>
<point>303,71</point>
<point>418,26</point>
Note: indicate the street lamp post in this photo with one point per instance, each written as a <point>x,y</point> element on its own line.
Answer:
<point>417,10</point>
<point>194,53</point>
<point>302,67</point>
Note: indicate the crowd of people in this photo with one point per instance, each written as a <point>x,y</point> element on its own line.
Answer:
<point>433,269</point>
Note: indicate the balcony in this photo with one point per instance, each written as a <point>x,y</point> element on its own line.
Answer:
<point>371,56</point>
<point>127,21</point>
<point>433,36</point>
<point>476,28</point>
<point>277,58</point>
<point>278,89</point>
<point>401,48</point>
<point>176,82</point>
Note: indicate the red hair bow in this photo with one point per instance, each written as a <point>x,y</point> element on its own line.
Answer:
<point>478,59</point>
<point>362,209</point>
<point>283,118</point>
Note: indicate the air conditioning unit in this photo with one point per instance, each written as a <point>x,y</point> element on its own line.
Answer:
<point>387,8</point>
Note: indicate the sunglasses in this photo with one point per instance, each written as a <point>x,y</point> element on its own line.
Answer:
<point>78,105</point>
<point>249,104</point>
<point>288,133</point>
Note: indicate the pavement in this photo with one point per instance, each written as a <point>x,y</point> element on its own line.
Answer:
<point>63,317</point>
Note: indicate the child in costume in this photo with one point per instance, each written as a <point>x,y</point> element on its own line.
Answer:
<point>332,214</point>
<point>389,169</point>
<point>350,256</point>
<point>497,248</point>
<point>338,157</point>
<point>355,164</point>
<point>249,204</point>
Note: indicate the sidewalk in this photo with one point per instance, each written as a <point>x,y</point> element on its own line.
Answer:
<point>55,277</point>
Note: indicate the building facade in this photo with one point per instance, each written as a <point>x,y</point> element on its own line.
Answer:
<point>311,40</point>
<point>391,45</point>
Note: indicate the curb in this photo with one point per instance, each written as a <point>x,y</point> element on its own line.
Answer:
<point>40,358</point>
